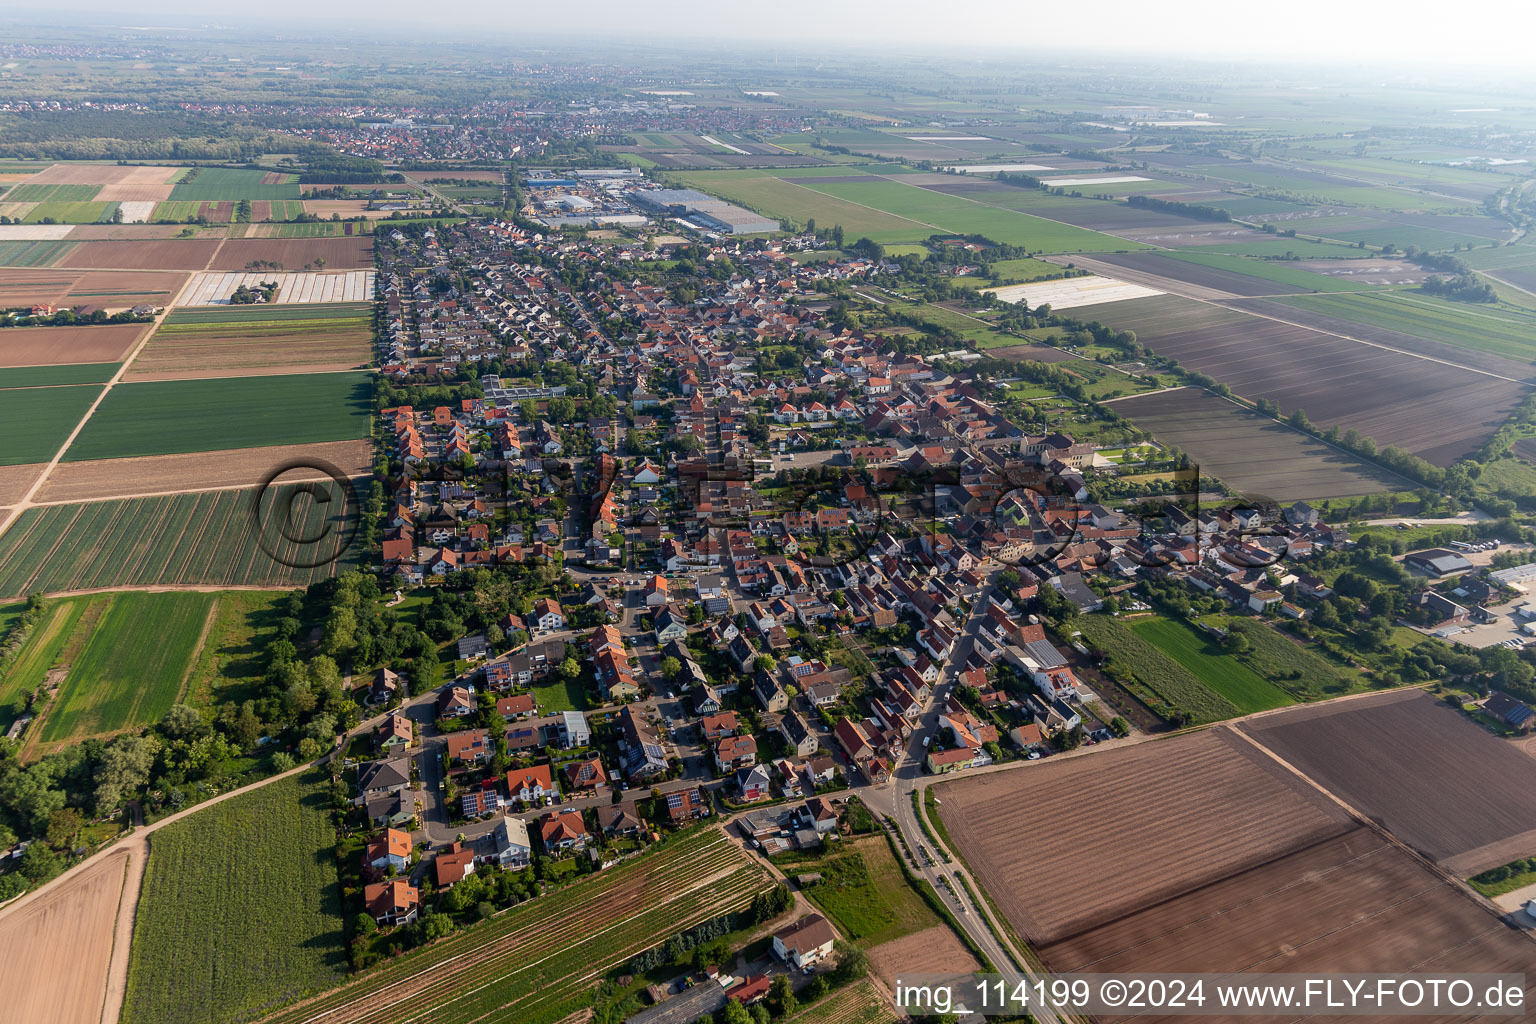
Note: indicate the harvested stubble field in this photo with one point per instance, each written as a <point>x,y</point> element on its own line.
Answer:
<point>1433,777</point>
<point>933,950</point>
<point>14,481</point>
<point>108,174</point>
<point>260,904</point>
<point>339,253</point>
<point>205,538</point>
<point>143,254</point>
<point>324,337</point>
<point>158,474</point>
<point>169,417</point>
<point>1436,411</point>
<point>1251,453</point>
<point>537,963</point>
<point>55,949</point>
<point>1221,860</point>
<point>120,675</point>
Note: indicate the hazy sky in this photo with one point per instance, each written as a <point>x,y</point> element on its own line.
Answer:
<point>1348,31</point>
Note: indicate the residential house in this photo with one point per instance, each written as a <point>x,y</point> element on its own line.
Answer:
<point>469,747</point>
<point>394,901</point>
<point>687,804</point>
<point>560,831</point>
<point>396,733</point>
<point>513,850</point>
<point>620,819</point>
<point>531,785</point>
<point>754,782</point>
<point>389,849</point>
<point>805,943</point>
<point>378,777</point>
<point>732,752</point>
<point>453,865</point>
<point>455,702</point>
<point>583,775</point>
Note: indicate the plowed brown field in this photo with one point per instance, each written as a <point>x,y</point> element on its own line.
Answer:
<point>1110,833</point>
<point>293,253</point>
<point>51,346</point>
<point>153,254</point>
<point>55,950</point>
<point>1430,775</point>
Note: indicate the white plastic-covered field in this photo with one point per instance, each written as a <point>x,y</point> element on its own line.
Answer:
<point>1108,179</point>
<point>34,232</point>
<point>211,289</point>
<point>137,211</point>
<point>1074,291</point>
<point>995,168</point>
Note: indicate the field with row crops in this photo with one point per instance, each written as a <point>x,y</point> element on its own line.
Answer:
<point>241,909</point>
<point>204,538</point>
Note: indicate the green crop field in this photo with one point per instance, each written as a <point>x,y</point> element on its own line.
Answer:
<point>1500,257</point>
<point>1218,670</point>
<point>1503,331</point>
<point>122,674</point>
<point>31,254</point>
<point>1268,270</point>
<point>64,373</point>
<point>175,211</point>
<point>251,886</point>
<point>1161,682</point>
<point>775,198</point>
<point>35,421</point>
<point>70,213</point>
<point>165,417</point>
<point>203,538</point>
<point>316,229</point>
<point>958,215</point>
<point>287,209</point>
<point>221,184</point>
<point>44,193</point>
<point>537,962</point>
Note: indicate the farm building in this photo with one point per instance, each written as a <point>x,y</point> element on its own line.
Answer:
<point>1513,713</point>
<point>1436,562</point>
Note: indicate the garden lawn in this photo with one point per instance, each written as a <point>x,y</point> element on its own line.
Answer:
<point>1217,669</point>
<point>863,890</point>
<point>166,417</point>
<point>241,909</point>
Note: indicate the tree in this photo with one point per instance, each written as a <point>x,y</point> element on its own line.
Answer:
<point>364,924</point>
<point>569,669</point>
<point>781,994</point>
<point>40,863</point>
<point>64,825</point>
<point>764,663</point>
<point>670,667</point>
<point>124,768</point>
<point>181,722</point>
<point>734,1013</point>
